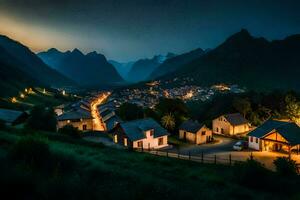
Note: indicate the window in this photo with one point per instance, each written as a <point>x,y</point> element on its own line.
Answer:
<point>256,140</point>
<point>140,144</point>
<point>203,132</point>
<point>84,127</point>
<point>251,139</point>
<point>116,138</point>
<point>217,129</point>
<point>222,130</point>
<point>125,142</point>
<point>160,141</point>
<point>151,132</point>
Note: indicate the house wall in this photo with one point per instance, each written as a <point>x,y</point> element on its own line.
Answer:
<point>77,124</point>
<point>152,143</point>
<point>190,137</point>
<point>204,138</point>
<point>221,123</point>
<point>254,143</point>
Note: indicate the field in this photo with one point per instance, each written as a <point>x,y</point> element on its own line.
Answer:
<point>76,169</point>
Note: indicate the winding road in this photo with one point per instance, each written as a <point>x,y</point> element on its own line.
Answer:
<point>98,124</point>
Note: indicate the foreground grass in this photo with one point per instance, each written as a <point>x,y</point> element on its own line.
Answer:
<point>86,171</point>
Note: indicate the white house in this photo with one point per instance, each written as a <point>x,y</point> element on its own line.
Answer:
<point>275,135</point>
<point>141,133</point>
<point>194,132</point>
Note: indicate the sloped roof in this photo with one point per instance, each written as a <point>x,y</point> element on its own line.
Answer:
<point>291,132</point>
<point>75,114</point>
<point>266,128</point>
<point>191,126</point>
<point>10,116</point>
<point>112,122</point>
<point>235,119</point>
<point>135,129</point>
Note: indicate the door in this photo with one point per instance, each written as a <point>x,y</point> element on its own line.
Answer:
<point>84,127</point>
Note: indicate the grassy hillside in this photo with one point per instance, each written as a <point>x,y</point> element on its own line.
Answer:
<point>73,169</point>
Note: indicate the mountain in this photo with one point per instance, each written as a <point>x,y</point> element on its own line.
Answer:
<point>142,68</point>
<point>91,69</point>
<point>21,68</point>
<point>253,62</point>
<point>172,64</point>
<point>122,68</point>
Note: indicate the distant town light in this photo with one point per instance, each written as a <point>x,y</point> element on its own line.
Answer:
<point>14,100</point>
<point>22,95</point>
<point>64,92</point>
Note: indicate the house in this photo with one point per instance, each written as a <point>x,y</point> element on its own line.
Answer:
<point>230,124</point>
<point>109,119</point>
<point>12,117</point>
<point>78,118</point>
<point>275,135</point>
<point>194,132</point>
<point>141,133</point>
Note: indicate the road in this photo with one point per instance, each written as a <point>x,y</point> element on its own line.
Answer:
<point>222,144</point>
<point>98,125</point>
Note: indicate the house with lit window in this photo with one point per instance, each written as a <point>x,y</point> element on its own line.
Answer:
<point>230,124</point>
<point>194,132</point>
<point>141,133</point>
<point>78,118</point>
<point>274,135</point>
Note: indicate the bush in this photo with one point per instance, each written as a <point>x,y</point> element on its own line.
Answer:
<point>32,151</point>
<point>2,125</point>
<point>285,166</point>
<point>252,173</point>
<point>42,119</point>
<point>70,131</point>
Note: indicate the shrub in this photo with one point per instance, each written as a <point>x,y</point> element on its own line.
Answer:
<point>32,151</point>
<point>251,173</point>
<point>2,125</point>
<point>42,119</point>
<point>285,166</point>
<point>70,131</point>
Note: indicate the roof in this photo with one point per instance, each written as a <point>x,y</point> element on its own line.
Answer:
<point>191,126</point>
<point>266,128</point>
<point>10,116</point>
<point>291,132</point>
<point>135,129</point>
<point>112,122</point>
<point>235,119</point>
<point>75,114</point>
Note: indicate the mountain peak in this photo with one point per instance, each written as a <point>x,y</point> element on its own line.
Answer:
<point>53,50</point>
<point>77,52</point>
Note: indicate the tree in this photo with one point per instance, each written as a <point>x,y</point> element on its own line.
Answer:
<point>285,166</point>
<point>70,131</point>
<point>129,111</point>
<point>168,121</point>
<point>292,108</point>
<point>243,106</point>
<point>42,119</point>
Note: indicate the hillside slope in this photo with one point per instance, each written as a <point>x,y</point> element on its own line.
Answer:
<point>252,62</point>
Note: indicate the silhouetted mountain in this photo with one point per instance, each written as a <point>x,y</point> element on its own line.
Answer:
<point>173,63</point>
<point>21,68</point>
<point>142,68</point>
<point>252,62</point>
<point>91,69</point>
<point>122,68</point>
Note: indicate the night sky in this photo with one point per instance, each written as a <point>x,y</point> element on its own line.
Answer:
<point>126,30</point>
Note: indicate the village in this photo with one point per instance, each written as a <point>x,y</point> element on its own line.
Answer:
<point>149,95</point>
<point>231,136</point>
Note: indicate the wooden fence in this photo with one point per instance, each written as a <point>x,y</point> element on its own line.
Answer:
<point>201,158</point>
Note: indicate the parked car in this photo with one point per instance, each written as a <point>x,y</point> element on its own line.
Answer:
<point>240,145</point>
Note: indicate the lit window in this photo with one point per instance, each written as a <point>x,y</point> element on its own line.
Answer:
<point>125,142</point>
<point>116,138</point>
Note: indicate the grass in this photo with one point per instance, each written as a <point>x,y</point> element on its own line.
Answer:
<point>107,173</point>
